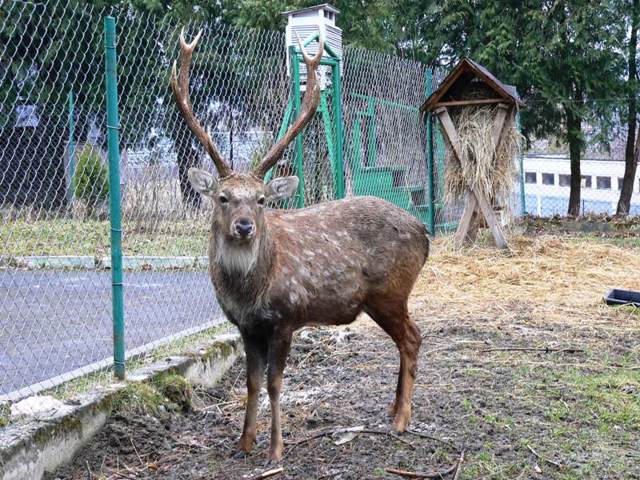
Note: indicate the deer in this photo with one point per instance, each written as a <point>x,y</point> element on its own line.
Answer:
<point>275,271</point>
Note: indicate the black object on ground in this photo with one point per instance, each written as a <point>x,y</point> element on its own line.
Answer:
<point>617,296</point>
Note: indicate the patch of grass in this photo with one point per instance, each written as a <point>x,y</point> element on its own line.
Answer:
<point>65,236</point>
<point>5,414</point>
<point>140,398</point>
<point>176,389</point>
<point>486,466</point>
<point>613,398</point>
<point>607,400</point>
<point>622,242</point>
<point>180,345</point>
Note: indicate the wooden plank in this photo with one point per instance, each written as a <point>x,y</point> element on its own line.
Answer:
<point>484,204</point>
<point>448,81</point>
<point>450,131</point>
<point>474,101</point>
<point>498,126</point>
<point>492,221</point>
<point>465,221</point>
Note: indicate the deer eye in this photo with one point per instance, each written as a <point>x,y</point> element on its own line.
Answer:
<point>223,199</point>
<point>261,201</point>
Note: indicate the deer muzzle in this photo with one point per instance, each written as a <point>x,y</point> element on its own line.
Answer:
<point>243,228</point>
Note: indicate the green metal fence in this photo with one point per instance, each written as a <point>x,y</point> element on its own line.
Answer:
<point>66,291</point>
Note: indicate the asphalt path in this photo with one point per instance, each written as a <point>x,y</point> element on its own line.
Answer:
<point>52,323</point>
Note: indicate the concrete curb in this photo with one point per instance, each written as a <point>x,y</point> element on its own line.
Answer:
<point>31,448</point>
<point>54,262</point>
<point>133,262</point>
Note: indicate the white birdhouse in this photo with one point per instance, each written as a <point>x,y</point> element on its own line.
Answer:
<point>307,22</point>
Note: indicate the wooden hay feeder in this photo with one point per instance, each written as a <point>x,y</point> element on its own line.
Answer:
<point>477,114</point>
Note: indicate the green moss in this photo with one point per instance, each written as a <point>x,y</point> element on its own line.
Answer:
<point>175,388</point>
<point>67,422</point>
<point>5,413</point>
<point>182,345</point>
<point>218,349</point>
<point>141,398</point>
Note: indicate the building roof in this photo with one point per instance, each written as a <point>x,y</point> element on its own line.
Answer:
<point>465,70</point>
<point>324,6</point>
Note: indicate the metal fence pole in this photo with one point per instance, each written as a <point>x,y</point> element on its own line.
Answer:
<point>523,207</point>
<point>295,91</point>
<point>113,134</point>
<point>339,130</point>
<point>72,146</point>
<point>431,214</point>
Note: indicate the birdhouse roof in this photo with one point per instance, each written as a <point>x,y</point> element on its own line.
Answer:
<point>325,6</point>
<point>458,81</point>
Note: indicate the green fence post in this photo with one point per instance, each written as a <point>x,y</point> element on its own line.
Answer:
<point>431,214</point>
<point>339,130</point>
<point>298,149</point>
<point>523,207</point>
<point>372,151</point>
<point>72,146</point>
<point>113,144</point>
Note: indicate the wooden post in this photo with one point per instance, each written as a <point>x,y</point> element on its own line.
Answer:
<point>474,196</point>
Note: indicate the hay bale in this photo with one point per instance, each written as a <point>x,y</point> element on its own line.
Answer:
<point>491,175</point>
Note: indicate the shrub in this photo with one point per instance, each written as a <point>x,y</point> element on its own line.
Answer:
<point>90,179</point>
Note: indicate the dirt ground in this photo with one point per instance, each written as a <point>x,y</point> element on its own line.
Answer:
<point>523,368</point>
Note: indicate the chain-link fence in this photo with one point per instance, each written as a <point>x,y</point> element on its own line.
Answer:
<point>55,285</point>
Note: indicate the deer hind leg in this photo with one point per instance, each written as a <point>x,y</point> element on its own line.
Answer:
<point>279,346</point>
<point>393,318</point>
<point>256,352</point>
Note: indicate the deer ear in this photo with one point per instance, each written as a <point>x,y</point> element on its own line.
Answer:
<point>281,188</point>
<point>203,182</point>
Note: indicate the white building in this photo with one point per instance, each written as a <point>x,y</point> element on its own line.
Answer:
<point>547,183</point>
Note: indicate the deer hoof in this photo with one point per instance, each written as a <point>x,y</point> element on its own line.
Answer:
<point>275,454</point>
<point>400,423</point>
<point>245,444</point>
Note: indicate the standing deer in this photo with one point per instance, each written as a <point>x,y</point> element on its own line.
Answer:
<point>275,271</point>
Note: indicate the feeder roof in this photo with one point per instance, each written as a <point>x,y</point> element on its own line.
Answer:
<point>325,6</point>
<point>460,77</point>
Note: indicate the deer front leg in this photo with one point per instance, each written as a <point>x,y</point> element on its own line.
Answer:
<point>279,346</point>
<point>256,352</point>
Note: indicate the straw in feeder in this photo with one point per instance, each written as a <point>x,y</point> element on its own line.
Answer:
<point>491,173</point>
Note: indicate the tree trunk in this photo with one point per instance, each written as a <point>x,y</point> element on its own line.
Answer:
<point>574,138</point>
<point>631,149</point>
<point>186,157</point>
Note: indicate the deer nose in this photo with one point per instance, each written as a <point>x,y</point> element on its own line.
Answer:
<point>244,227</point>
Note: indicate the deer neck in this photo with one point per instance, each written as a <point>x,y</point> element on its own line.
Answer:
<point>243,268</point>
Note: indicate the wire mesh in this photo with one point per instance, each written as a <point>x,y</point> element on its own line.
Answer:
<point>55,287</point>
<point>55,321</point>
<point>385,140</point>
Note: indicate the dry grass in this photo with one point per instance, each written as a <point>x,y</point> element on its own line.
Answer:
<point>486,173</point>
<point>561,279</point>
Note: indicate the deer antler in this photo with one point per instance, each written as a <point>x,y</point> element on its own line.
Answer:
<point>309,106</point>
<point>180,87</point>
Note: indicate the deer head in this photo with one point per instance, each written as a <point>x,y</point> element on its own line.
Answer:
<point>239,198</point>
